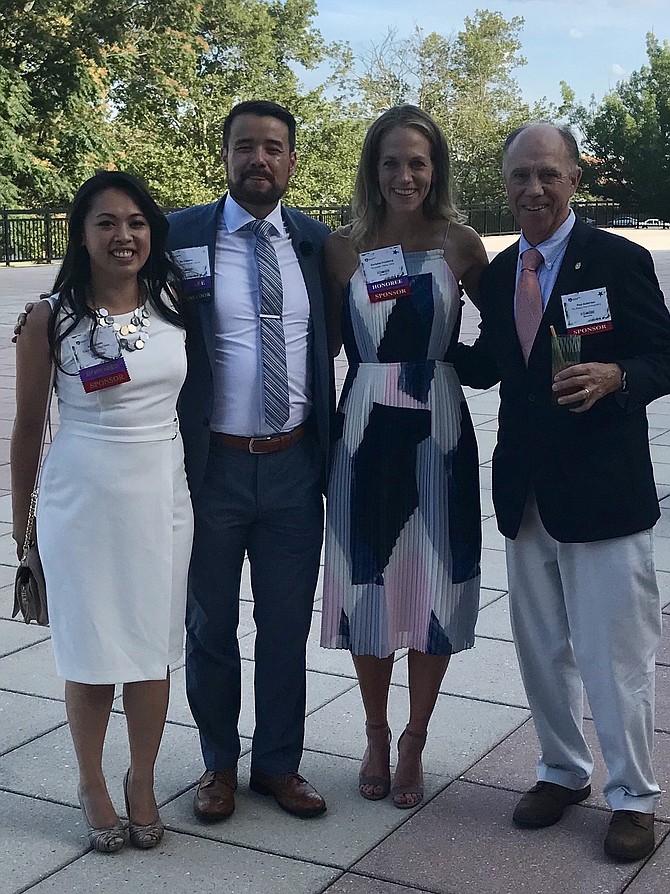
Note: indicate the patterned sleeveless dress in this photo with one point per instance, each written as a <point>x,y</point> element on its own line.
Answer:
<point>403,536</point>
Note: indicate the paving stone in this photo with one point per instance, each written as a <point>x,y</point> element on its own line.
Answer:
<point>663,578</point>
<point>662,553</point>
<point>469,844</point>
<point>494,569</point>
<point>7,546</point>
<point>6,502</point>
<point>461,730</point>
<point>24,717</point>
<point>654,877</point>
<point>486,441</point>
<point>47,767</point>
<point>182,864</point>
<point>490,672</point>
<point>663,651</point>
<point>662,698</point>
<point>493,620</point>
<point>350,883</point>
<point>488,595</point>
<point>32,671</point>
<point>662,471</point>
<point>486,500</point>
<point>38,838</point>
<point>349,828</point>
<point>512,765</point>
<point>15,635</point>
<point>662,528</point>
<point>491,536</point>
<point>659,454</point>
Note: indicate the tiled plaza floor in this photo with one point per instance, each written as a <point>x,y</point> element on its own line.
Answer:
<point>480,754</point>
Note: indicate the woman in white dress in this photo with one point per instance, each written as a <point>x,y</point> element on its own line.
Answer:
<point>114,517</point>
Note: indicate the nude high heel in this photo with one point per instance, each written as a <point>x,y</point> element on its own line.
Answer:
<point>404,782</point>
<point>143,837</point>
<point>379,738</point>
<point>107,840</point>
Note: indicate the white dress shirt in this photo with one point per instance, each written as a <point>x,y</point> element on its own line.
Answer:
<point>238,384</point>
<point>553,251</point>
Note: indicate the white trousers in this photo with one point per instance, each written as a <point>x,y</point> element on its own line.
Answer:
<point>588,612</point>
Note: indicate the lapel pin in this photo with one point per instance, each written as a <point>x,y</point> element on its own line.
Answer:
<point>578,265</point>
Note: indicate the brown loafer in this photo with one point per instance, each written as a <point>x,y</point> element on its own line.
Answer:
<point>292,792</point>
<point>630,835</point>
<point>215,795</point>
<point>544,804</point>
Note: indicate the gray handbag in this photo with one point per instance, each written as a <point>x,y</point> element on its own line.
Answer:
<point>30,590</point>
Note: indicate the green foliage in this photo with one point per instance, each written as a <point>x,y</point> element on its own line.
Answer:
<point>627,136</point>
<point>144,85</point>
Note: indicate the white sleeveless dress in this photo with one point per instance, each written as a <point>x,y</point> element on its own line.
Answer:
<point>114,518</point>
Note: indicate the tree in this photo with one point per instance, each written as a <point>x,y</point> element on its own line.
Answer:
<point>627,136</point>
<point>177,86</point>
<point>54,63</point>
<point>145,85</point>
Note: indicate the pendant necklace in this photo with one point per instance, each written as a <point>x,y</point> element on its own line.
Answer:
<point>131,336</point>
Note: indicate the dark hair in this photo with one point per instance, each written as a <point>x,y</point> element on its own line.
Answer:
<point>564,131</point>
<point>261,108</point>
<point>367,204</point>
<point>159,274</point>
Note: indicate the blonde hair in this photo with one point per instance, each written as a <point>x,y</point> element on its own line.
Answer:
<point>368,206</point>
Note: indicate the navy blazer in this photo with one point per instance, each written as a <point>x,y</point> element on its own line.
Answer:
<point>198,226</point>
<point>591,472</point>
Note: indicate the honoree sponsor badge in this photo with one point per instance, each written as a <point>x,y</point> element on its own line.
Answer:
<point>587,312</point>
<point>385,273</point>
<point>99,372</point>
<point>194,263</point>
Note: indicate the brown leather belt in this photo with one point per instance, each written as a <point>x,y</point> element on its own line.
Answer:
<point>270,444</point>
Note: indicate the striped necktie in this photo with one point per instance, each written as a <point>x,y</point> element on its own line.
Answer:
<point>273,346</point>
<point>528,300</point>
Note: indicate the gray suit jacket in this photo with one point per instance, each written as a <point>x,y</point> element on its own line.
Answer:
<point>198,226</point>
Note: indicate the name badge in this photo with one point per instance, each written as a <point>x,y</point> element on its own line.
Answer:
<point>99,372</point>
<point>587,313</point>
<point>385,273</point>
<point>194,263</point>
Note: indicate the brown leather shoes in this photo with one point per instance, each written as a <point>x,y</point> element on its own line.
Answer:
<point>292,792</point>
<point>544,804</point>
<point>215,795</point>
<point>630,835</point>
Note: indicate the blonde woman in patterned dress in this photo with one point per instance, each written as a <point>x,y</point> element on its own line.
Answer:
<point>403,519</point>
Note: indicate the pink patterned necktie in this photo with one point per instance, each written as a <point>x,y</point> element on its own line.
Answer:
<point>528,300</point>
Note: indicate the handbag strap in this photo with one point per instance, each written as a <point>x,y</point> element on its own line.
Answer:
<point>32,509</point>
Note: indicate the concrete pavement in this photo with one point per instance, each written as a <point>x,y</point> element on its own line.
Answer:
<point>480,753</point>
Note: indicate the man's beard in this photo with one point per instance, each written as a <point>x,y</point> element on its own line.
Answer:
<point>244,191</point>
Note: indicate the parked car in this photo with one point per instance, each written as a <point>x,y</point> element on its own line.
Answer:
<point>655,223</point>
<point>625,222</point>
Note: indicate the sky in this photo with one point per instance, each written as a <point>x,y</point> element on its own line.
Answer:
<point>591,44</point>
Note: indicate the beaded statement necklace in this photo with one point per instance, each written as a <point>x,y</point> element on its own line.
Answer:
<point>131,336</point>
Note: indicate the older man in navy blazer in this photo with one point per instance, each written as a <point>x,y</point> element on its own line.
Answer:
<point>573,486</point>
<point>256,486</point>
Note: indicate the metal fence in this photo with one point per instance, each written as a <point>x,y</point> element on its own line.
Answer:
<point>40,236</point>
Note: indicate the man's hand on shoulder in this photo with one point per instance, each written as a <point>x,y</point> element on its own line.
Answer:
<point>23,317</point>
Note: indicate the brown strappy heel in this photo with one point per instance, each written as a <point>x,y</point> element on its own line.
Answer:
<point>405,783</point>
<point>379,738</point>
